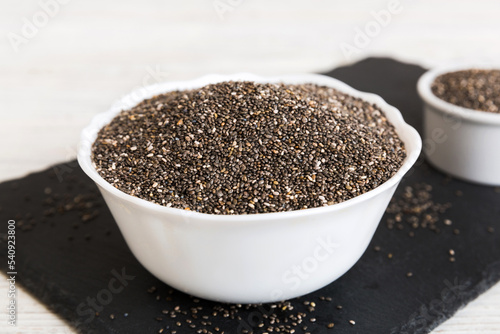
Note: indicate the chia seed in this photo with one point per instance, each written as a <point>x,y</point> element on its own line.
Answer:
<point>415,209</point>
<point>474,89</point>
<point>244,147</point>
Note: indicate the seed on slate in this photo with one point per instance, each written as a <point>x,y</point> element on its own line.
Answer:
<point>476,89</point>
<point>330,325</point>
<point>376,248</point>
<point>339,307</point>
<point>452,259</point>
<point>452,252</point>
<point>459,193</point>
<point>47,191</point>
<point>389,255</point>
<point>352,322</point>
<point>220,149</point>
<point>456,231</point>
<point>415,208</point>
<point>112,316</point>
<point>125,315</point>
<point>490,229</point>
<point>447,222</point>
<point>409,274</point>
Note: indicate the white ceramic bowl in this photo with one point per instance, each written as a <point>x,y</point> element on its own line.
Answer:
<point>460,141</point>
<point>248,258</point>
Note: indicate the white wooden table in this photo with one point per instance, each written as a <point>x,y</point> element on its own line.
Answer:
<point>63,61</point>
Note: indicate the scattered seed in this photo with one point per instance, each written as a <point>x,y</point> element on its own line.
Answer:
<point>415,209</point>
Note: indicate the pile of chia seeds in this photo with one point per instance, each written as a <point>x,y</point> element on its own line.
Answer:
<point>474,89</point>
<point>245,147</point>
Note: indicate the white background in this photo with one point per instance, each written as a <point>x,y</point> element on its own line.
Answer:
<point>90,53</point>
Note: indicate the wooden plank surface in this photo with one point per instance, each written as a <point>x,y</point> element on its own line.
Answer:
<point>61,62</point>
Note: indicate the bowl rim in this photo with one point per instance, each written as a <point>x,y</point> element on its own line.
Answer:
<point>412,140</point>
<point>424,89</point>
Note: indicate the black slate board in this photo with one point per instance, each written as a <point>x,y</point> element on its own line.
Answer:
<point>67,263</point>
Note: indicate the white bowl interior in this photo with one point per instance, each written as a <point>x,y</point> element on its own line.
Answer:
<point>408,134</point>
<point>424,89</point>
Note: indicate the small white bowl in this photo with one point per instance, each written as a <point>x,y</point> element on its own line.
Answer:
<point>248,258</point>
<point>460,141</point>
